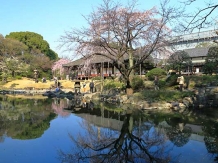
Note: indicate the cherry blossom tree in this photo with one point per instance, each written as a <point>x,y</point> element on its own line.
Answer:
<point>122,33</point>
<point>57,66</point>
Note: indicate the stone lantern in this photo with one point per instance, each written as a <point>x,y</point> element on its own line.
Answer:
<point>36,74</point>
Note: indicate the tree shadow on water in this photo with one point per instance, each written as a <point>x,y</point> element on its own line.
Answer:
<point>133,143</point>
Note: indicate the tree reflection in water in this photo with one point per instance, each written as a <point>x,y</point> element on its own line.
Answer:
<point>131,144</point>
<point>178,133</point>
<point>211,142</point>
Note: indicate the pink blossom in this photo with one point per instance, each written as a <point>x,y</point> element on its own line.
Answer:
<point>57,66</point>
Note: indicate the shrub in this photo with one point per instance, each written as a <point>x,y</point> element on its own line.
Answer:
<point>172,80</point>
<point>137,83</point>
<point>18,77</point>
<point>162,83</point>
<point>13,85</point>
<point>96,78</point>
<point>165,95</point>
<point>156,72</point>
<point>110,84</point>
<point>149,85</point>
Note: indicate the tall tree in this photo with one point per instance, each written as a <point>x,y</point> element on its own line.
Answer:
<point>35,42</point>
<point>11,47</point>
<point>179,60</point>
<point>41,63</point>
<point>122,33</point>
<point>12,66</point>
<point>57,66</point>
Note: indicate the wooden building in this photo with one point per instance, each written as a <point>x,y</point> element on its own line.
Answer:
<point>198,57</point>
<point>99,66</point>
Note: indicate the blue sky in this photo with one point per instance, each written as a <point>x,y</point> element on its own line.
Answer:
<point>50,18</point>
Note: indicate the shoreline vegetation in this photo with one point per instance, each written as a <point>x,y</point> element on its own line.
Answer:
<point>167,98</point>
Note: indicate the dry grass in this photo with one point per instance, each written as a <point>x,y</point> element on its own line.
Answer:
<point>25,83</point>
<point>20,96</point>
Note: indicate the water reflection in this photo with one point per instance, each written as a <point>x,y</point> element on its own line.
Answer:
<point>141,137</point>
<point>24,118</point>
<point>109,134</point>
<point>136,142</point>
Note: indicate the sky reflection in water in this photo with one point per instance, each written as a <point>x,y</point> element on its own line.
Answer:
<point>188,146</point>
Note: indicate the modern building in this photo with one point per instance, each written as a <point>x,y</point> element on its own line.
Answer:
<point>190,41</point>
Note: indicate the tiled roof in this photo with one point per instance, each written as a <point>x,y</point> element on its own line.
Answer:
<point>197,52</point>
<point>73,63</point>
<point>95,59</point>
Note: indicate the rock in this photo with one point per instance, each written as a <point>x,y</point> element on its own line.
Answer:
<point>123,98</point>
<point>182,106</point>
<point>165,106</point>
<point>175,104</point>
<point>129,100</point>
<point>186,102</point>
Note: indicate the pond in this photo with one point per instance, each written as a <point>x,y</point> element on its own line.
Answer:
<point>55,130</point>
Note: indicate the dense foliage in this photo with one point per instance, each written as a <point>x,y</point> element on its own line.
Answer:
<point>179,61</point>
<point>156,72</point>
<point>137,83</point>
<point>211,62</point>
<point>171,80</point>
<point>111,84</point>
<point>23,52</point>
<point>164,95</point>
<point>35,43</point>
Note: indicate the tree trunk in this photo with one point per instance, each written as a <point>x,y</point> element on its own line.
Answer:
<point>129,90</point>
<point>131,64</point>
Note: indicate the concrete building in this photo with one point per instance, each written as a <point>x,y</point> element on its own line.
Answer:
<point>190,41</point>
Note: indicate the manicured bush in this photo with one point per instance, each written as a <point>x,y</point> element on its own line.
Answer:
<point>137,83</point>
<point>156,72</point>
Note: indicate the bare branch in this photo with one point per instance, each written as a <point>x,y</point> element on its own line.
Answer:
<point>203,18</point>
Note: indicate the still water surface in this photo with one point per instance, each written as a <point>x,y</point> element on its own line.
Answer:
<point>33,131</point>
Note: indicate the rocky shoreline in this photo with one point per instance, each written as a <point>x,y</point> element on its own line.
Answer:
<point>203,97</point>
